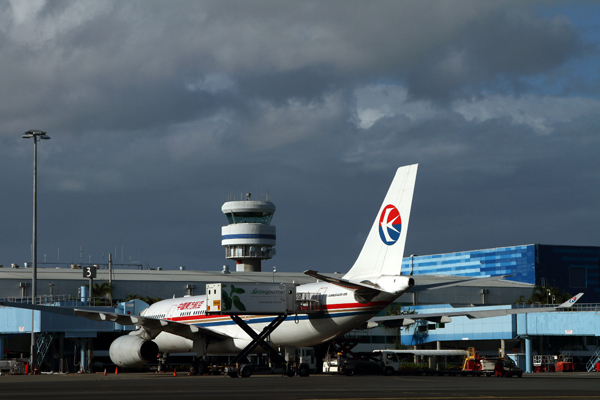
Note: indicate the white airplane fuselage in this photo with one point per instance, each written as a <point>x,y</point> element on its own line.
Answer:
<point>346,303</point>
<point>341,312</point>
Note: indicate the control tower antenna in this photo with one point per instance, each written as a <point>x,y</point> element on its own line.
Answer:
<point>249,238</point>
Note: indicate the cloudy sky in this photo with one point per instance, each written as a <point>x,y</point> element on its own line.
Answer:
<point>159,110</point>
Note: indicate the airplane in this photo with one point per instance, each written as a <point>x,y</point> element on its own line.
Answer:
<point>182,325</point>
<point>374,281</point>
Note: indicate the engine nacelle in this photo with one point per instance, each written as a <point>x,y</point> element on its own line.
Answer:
<point>131,351</point>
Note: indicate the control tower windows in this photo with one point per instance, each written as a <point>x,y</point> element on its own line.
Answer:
<point>250,217</point>
<point>248,251</point>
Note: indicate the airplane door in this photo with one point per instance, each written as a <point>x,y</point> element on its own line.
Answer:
<point>172,311</point>
<point>321,295</point>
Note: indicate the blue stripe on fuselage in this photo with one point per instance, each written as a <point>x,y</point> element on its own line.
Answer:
<point>268,319</point>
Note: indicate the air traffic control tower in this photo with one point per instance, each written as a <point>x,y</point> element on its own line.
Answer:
<point>249,238</point>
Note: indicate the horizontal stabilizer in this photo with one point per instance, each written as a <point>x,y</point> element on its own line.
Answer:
<point>342,282</point>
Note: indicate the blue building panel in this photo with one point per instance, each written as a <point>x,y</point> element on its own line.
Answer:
<point>518,261</point>
<point>559,324</point>
<point>573,269</point>
<point>18,320</point>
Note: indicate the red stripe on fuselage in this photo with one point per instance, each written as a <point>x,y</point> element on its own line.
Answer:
<point>327,307</point>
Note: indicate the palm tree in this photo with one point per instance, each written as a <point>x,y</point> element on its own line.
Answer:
<point>146,299</point>
<point>545,294</point>
<point>396,309</point>
<point>538,295</point>
<point>102,293</point>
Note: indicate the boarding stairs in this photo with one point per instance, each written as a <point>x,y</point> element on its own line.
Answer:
<point>43,343</point>
<point>591,364</point>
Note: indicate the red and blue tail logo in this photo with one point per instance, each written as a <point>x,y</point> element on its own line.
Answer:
<point>390,225</point>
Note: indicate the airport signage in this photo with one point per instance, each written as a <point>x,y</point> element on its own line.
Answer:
<point>89,272</point>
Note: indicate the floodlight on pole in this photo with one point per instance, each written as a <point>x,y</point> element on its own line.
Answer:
<point>37,135</point>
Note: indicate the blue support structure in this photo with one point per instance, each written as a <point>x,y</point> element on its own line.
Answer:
<point>84,295</point>
<point>528,355</point>
<point>83,357</point>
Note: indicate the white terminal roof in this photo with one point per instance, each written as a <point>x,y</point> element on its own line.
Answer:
<point>187,275</point>
<point>24,274</point>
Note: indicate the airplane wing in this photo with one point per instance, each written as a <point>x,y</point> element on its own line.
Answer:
<point>393,321</point>
<point>176,328</point>
<point>341,282</point>
<point>431,282</point>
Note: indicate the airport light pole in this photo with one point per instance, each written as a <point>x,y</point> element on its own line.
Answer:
<point>37,135</point>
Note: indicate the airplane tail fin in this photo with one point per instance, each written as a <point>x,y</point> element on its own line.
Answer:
<point>569,303</point>
<point>383,250</point>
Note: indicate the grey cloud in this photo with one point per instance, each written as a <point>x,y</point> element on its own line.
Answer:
<point>157,111</point>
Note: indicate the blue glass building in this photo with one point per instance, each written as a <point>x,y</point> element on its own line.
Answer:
<point>573,269</point>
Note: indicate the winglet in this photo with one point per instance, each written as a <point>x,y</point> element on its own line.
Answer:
<point>569,303</point>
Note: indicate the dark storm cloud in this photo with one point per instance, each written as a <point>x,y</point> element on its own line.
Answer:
<point>158,111</point>
<point>500,48</point>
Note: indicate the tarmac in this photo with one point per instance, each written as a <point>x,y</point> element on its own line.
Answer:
<point>149,386</point>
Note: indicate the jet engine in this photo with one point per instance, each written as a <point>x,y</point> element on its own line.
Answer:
<point>131,351</point>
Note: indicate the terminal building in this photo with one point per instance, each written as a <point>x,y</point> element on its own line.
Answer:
<point>249,239</point>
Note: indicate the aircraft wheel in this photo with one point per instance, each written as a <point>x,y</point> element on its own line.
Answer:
<point>303,370</point>
<point>246,371</point>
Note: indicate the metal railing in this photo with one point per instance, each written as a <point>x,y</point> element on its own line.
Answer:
<point>45,299</point>
<point>63,300</point>
<point>591,364</point>
<point>574,307</point>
